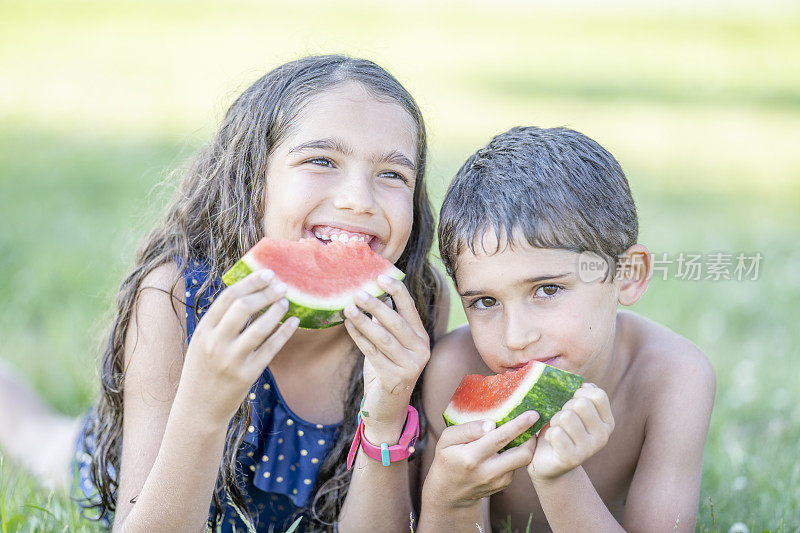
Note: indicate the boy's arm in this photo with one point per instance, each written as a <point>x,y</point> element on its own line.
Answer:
<point>448,364</point>
<point>665,490</point>
<point>574,434</point>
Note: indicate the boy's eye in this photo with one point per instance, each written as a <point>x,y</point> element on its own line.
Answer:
<point>484,303</point>
<point>547,291</point>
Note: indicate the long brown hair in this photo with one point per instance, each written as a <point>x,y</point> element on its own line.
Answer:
<point>216,215</point>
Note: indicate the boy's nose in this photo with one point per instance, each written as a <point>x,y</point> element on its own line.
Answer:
<point>520,331</point>
<point>355,193</point>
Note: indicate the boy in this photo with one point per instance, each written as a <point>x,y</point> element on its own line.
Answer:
<point>524,227</point>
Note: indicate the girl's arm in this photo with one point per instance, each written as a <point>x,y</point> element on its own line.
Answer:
<point>154,346</point>
<point>176,415</point>
<point>396,349</point>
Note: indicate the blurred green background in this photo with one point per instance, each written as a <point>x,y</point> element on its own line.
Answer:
<point>99,101</point>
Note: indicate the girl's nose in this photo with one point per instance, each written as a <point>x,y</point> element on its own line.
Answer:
<point>520,330</point>
<point>355,193</point>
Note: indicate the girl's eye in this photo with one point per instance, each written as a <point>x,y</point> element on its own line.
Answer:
<point>321,161</point>
<point>484,303</point>
<point>394,176</point>
<point>548,291</point>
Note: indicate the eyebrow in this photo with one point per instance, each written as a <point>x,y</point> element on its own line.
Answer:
<point>337,145</point>
<point>530,281</point>
<point>397,158</point>
<point>330,143</point>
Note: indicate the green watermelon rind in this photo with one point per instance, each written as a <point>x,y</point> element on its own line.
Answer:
<point>314,313</point>
<point>551,390</point>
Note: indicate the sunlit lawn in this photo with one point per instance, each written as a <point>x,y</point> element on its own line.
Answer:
<point>99,103</point>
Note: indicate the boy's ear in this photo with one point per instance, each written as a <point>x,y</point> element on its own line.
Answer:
<point>634,269</point>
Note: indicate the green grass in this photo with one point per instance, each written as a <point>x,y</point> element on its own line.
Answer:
<point>99,102</point>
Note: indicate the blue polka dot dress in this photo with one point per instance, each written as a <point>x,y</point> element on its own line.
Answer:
<point>279,459</point>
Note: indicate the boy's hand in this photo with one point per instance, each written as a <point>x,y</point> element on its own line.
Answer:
<point>578,431</point>
<point>396,349</point>
<point>467,465</point>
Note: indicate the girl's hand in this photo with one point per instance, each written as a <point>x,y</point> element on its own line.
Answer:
<point>226,355</point>
<point>396,349</point>
<point>578,431</point>
<point>467,465</point>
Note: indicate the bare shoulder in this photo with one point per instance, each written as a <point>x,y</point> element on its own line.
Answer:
<point>673,387</point>
<point>155,338</point>
<point>453,356</point>
<point>442,309</point>
<point>666,363</point>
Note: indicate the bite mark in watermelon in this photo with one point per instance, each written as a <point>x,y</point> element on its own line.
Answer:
<point>502,397</point>
<point>321,279</point>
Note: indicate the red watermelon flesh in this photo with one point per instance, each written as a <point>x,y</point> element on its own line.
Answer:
<point>481,393</point>
<point>502,397</point>
<point>322,270</point>
<point>321,279</point>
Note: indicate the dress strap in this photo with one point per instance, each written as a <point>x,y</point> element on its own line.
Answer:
<point>201,289</point>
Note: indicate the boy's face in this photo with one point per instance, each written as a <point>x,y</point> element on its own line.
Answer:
<point>526,303</point>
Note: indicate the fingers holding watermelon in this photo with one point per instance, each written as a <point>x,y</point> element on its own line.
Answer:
<point>226,353</point>
<point>403,301</point>
<point>254,282</point>
<point>576,433</point>
<point>499,438</point>
<point>468,464</point>
<point>396,349</point>
<point>397,337</point>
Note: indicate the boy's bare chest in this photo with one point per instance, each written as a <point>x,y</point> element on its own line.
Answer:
<point>610,471</point>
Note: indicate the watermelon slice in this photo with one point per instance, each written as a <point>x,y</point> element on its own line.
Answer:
<point>534,387</point>
<point>321,278</point>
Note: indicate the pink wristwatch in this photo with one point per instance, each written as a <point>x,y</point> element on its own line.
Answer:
<point>384,453</point>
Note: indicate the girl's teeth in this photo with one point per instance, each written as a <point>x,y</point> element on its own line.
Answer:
<point>342,237</point>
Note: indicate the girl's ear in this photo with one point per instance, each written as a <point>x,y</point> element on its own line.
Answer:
<point>634,269</point>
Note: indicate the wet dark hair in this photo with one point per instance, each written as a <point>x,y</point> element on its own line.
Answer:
<point>556,187</point>
<point>216,216</point>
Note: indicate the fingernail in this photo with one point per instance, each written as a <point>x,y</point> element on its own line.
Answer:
<point>350,310</point>
<point>533,416</point>
<point>488,425</point>
<point>283,302</point>
<point>280,287</point>
<point>293,321</point>
<point>361,296</point>
<point>267,275</point>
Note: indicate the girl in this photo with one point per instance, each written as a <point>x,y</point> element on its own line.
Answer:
<point>212,413</point>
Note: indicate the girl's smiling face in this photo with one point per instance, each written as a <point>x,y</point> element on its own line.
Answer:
<point>345,170</point>
<point>525,303</point>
